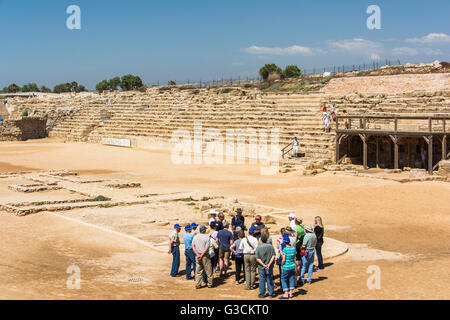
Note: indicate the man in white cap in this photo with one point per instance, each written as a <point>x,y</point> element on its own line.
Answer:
<point>213,216</point>
<point>291,218</point>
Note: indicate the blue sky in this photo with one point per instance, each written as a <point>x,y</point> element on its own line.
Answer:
<point>199,39</point>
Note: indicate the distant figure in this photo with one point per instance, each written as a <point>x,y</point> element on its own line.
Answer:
<point>248,246</point>
<point>309,244</point>
<point>238,256</point>
<point>326,123</point>
<point>324,110</point>
<point>188,252</point>
<point>265,256</point>
<point>318,230</point>
<point>423,158</point>
<point>201,246</point>
<point>333,113</point>
<point>225,240</point>
<point>174,249</point>
<point>295,142</point>
<point>258,226</point>
<point>288,268</point>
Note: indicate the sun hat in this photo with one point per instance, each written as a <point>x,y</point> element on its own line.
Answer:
<point>238,229</point>
<point>188,227</point>
<point>291,215</point>
<point>177,226</point>
<point>213,211</point>
<point>286,238</point>
<point>202,229</point>
<point>309,229</point>
<point>251,230</point>
<point>194,225</point>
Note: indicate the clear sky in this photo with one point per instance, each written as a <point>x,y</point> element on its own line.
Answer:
<point>209,39</point>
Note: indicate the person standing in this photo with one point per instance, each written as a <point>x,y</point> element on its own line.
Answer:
<point>291,218</point>
<point>309,244</point>
<point>299,231</point>
<point>288,268</point>
<point>295,147</point>
<point>174,249</point>
<point>188,252</point>
<point>225,240</point>
<point>201,246</point>
<point>194,229</point>
<point>220,222</point>
<point>265,257</point>
<point>258,226</point>
<point>239,256</point>
<point>213,216</point>
<point>248,246</point>
<point>238,221</point>
<point>319,230</point>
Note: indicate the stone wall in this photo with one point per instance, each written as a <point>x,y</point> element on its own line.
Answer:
<point>23,129</point>
<point>389,84</point>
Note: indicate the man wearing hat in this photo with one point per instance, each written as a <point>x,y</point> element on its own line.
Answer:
<point>309,244</point>
<point>291,218</point>
<point>200,246</point>
<point>248,246</point>
<point>237,221</point>
<point>213,216</point>
<point>194,229</point>
<point>188,252</point>
<point>174,249</point>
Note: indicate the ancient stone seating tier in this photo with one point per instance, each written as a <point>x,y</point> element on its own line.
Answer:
<point>156,114</point>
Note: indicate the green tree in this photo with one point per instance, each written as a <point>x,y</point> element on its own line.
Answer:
<point>269,69</point>
<point>13,88</point>
<point>130,82</point>
<point>292,71</point>
<point>30,87</point>
<point>45,89</point>
<point>114,83</point>
<point>102,86</point>
<point>171,83</point>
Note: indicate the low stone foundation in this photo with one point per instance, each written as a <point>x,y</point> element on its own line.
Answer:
<point>23,129</point>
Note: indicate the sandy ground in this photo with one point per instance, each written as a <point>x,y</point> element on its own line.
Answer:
<point>403,229</point>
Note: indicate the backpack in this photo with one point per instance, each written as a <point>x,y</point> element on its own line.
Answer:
<point>280,258</point>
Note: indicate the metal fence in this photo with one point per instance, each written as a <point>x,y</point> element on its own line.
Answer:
<point>221,82</point>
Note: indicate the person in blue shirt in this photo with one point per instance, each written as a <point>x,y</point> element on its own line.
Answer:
<point>188,252</point>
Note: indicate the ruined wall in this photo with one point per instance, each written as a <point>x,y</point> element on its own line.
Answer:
<point>389,84</point>
<point>23,129</point>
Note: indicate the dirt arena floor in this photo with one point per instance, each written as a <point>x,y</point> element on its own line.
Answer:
<point>403,229</point>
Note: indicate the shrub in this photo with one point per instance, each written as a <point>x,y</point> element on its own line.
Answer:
<point>269,69</point>
<point>292,71</point>
<point>30,87</point>
<point>99,198</point>
<point>171,83</point>
<point>247,85</point>
<point>225,90</point>
<point>25,112</point>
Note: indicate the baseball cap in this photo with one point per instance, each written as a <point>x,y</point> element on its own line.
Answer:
<point>286,238</point>
<point>251,230</point>
<point>177,226</point>
<point>202,228</point>
<point>291,215</point>
<point>194,225</point>
<point>188,227</point>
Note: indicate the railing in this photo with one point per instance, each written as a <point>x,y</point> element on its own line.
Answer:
<point>284,152</point>
<point>395,125</point>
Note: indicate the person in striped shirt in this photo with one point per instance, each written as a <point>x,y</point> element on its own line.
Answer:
<point>288,268</point>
